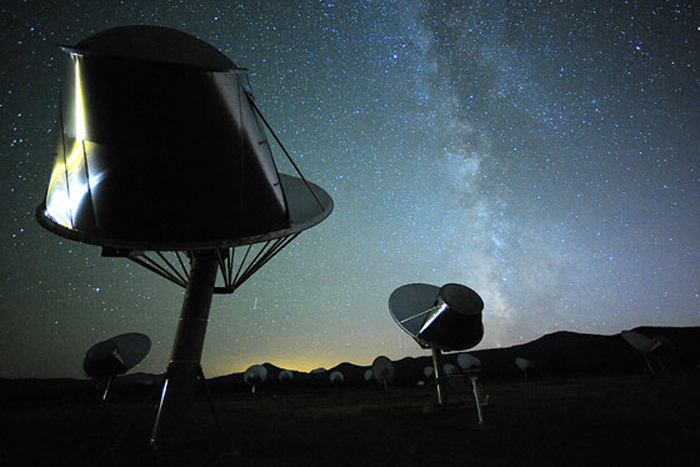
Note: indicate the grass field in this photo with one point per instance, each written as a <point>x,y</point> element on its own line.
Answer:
<point>631,420</point>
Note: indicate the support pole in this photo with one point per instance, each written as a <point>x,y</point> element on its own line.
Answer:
<point>477,397</point>
<point>104,394</point>
<point>172,424</point>
<point>439,377</point>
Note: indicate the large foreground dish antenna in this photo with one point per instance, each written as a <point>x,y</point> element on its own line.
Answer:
<point>446,318</point>
<point>163,157</point>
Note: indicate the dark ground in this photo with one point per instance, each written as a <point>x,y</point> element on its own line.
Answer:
<point>626,420</point>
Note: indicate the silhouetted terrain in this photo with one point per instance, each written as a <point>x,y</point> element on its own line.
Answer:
<point>591,402</point>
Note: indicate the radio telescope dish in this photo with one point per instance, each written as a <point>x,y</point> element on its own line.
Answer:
<point>285,375</point>
<point>472,365</point>
<point>254,376</point>
<point>468,362</point>
<point>640,342</point>
<point>368,376</point>
<point>450,369</point>
<point>524,364</point>
<point>429,372</point>
<point>164,157</point>
<point>162,147</point>
<point>643,344</point>
<point>115,356</point>
<point>383,371</point>
<point>103,360</point>
<point>446,318</point>
<point>336,377</point>
<point>661,341</point>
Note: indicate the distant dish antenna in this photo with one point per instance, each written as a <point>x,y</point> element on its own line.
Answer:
<point>115,356</point>
<point>450,370</point>
<point>383,371</point>
<point>639,341</point>
<point>644,345</point>
<point>336,377</point>
<point>429,372</point>
<point>254,376</point>
<point>524,364</point>
<point>368,375</point>
<point>285,375</point>
<point>472,366</point>
<point>163,157</point>
<point>663,342</point>
<point>468,362</point>
<point>446,318</point>
<point>318,371</point>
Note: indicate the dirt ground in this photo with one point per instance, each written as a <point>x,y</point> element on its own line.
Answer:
<point>631,420</point>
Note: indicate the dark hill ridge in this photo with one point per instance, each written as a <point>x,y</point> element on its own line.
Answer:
<point>560,353</point>
<point>557,354</point>
<point>564,352</point>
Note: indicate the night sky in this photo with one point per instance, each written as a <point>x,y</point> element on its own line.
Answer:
<point>544,153</point>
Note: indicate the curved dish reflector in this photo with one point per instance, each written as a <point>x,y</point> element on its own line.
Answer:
<point>523,363</point>
<point>117,355</point>
<point>383,370</point>
<point>336,377</point>
<point>640,342</point>
<point>468,362</point>
<point>449,369</point>
<point>255,374</point>
<point>446,318</point>
<point>161,147</point>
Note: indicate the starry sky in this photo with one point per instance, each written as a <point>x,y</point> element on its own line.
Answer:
<point>544,153</point>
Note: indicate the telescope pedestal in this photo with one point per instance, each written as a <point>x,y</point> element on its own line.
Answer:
<point>440,385</point>
<point>173,424</point>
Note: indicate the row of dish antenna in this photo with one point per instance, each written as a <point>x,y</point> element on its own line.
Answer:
<point>119,354</point>
<point>382,371</point>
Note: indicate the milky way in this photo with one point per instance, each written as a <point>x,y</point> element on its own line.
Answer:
<point>545,154</point>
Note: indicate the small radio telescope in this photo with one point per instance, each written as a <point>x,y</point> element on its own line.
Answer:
<point>524,364</point>
<point>254,376</point>
<point>163,157</point>
<point>468,362</point>
<point>285,375</point>
<point>446,318</point>
<point>472,366</point>
<point>449,369</point>
<point>383,371</point>
<point>336,377</point>
<point>115,356</point>
<point>643,345</point>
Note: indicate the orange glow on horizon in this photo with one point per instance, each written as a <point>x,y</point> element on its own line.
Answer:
<point>302,364</point>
